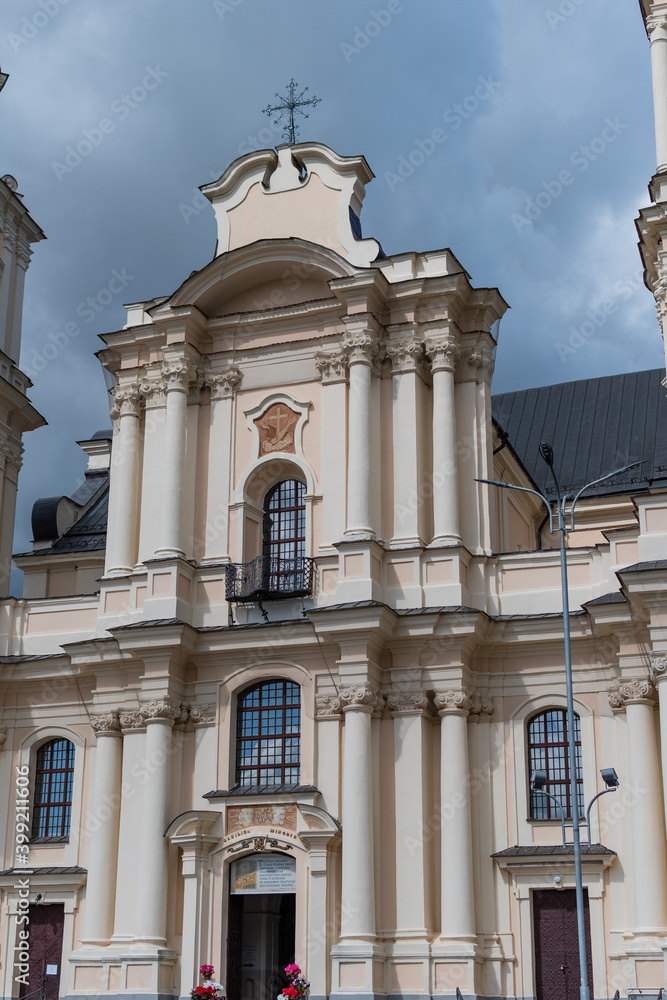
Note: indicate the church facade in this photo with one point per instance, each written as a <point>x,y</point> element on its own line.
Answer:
<point>284,667</point>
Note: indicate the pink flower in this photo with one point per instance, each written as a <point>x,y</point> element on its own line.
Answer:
<point>291,971</point>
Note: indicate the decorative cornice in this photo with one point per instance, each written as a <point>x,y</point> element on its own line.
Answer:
<point>358,698</point>
<point>453,703</point>
<point>361,348</point>
<point>634,692</point>
<point>444,352</point>
<point>405,356</point>
<point>178,375</point>
<point>223,383</point>
<point>407,702</point>
<point>107,724</point>
<point>126,400</point>
<point>327,706</point>
<point>162,710</point>
<point>332,367</point>
<point>658,667</point>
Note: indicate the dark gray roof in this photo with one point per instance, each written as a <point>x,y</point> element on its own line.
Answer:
<point>645,566</point>
<point>594,426</point>
<point>549,850</point>
<point>89,532</point>
<point>45,870</point>
<point>259,790</point>
<point>616,598</point>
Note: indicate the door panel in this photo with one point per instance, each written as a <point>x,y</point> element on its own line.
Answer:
<point>234,978</point>
<point>556,944</point>
<point>46,949</point>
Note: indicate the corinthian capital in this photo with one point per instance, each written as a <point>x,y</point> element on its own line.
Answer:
<point>482,359</point>
<point>658,667</point>
<point>406,702</point>
<point>360,698</point>
<point>332,367</point>
<point>328,706</point>
<point>405,356</point>
<point>223,383</point>
<point>362,348</point>
<point>481,706</point>
<point>161,710</point>
<point>638,691</point>
<point>443,351</point>
<point>453,703</point>
<point>126,400</point>
<point>107,724</point>
<point>178,374</point>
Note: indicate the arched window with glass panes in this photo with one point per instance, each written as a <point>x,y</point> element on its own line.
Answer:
<point>54,781</point>
<point>268,734</point>
<point>284,545</point>
<point>547,751</point>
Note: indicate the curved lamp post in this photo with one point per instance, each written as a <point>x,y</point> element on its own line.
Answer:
<point>546,451</point>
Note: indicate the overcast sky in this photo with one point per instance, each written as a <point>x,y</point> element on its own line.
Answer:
<point>517,132</point>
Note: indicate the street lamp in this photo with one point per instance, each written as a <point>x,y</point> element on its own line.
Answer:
<point>546,451</point>
<point>538,780</point>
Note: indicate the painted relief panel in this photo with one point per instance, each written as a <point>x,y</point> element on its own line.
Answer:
<point>276,429</point>
<point>242,817</point>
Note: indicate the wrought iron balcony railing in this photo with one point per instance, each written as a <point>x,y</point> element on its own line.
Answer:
<point>269,578</point>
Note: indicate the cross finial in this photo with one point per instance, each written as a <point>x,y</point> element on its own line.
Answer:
<point>290,105</point>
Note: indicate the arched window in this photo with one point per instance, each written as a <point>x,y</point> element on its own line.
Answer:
<point>285,536</point>
<point>268,732</point>
<point>54,779</point>
<point>547,751</point>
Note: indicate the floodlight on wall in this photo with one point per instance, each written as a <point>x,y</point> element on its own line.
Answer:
<point>610,777</point>
<point>538,780</point>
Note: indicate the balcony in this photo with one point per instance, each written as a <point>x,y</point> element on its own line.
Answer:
<point>269,578</point>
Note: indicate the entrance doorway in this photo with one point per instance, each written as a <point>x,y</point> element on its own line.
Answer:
<point>260,926</point>
<point>556,944</point>
<point>46,949</point>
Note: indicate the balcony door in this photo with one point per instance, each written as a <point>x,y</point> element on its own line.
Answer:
<point>284,546</point>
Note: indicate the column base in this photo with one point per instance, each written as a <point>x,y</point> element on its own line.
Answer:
<point>445,541</point>
<point>359,535</point>
<point>169,554</point>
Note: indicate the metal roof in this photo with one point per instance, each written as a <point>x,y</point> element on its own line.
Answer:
<point>549,850</point>
<point>594,426</point>
<point>89,532</point>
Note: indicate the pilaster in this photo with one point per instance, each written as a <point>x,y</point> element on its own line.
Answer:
<point>443,349</point>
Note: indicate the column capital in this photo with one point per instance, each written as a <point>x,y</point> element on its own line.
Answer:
<point>655,22</point>
<point>638,691</point>
<point>405,356</point>
<point>453,703</point>
<point>126,400</point>
<point>201,715</point>
<point>327,706</point>
<point>161,710</point>
<point>361,348</point>
<point>481,357</point>
<point>178,373</point>
<point>132,721</point>
<point>658,667</point>
<point>407,702</point>
<point>332,367</point>
<point>444,352</point>
<point>481,707</point>
<point>106,724</point>
<point>11,457</point>
<point>23,253</point>
<point>153,388</point>
<point>223,383</point>
<point>358,698</point>
<point>10,234</point>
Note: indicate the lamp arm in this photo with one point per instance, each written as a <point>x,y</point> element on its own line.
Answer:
<point>590,806</point>
<point>616,472</point>
<point>522,489</point>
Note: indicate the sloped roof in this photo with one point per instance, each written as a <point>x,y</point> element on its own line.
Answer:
<point>88,533</point>
<point>594,426</point>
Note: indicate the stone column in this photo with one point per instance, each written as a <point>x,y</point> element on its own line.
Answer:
<point>178,375</point>
<point>411,771</point>
<point>133,731</point>
<point>657,29</point>
<point>333,372</point>
<point>659,678</point>
<point>151,921</point>
<point>456,874</point>
<point>121,554</point>
<point>8,239</point>
<point>444,352</point>
<point>101,829</point>
<point>358,888</point>
<point>405,358</point>
<point>649,865</point>
<point>222,385</point>
<point>362,350</point>
<point>194,868</point>
<point>13,336</point>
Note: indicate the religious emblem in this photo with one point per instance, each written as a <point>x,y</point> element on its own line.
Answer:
<point>288,106</point>
<point>276,429</point>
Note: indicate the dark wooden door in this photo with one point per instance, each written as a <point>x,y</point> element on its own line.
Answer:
<point>556,944</point>
<point>46,951</point>
<point>234,979</point>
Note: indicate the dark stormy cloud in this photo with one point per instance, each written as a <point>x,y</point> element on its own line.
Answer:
<point>517,132</point>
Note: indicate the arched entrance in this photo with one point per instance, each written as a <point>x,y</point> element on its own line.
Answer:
<point>260,925</point>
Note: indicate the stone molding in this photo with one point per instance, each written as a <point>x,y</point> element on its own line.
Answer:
<point>106,724</point>
<point>443,352</point>
<point>361,348</point>
<point>126,401</point>
<point>405,356</point>
<point>634,692</point>
<point>658,667</point>
<point>407,702</point>
<point>327,706</point>
<point>178,375</point>
<point>358,698</point>
<point>223,383</point>
<point>332,367</point>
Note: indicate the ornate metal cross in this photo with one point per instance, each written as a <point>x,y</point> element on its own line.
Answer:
<point>291,104</point>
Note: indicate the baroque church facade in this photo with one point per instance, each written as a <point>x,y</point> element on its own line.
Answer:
<point>283,665</point>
